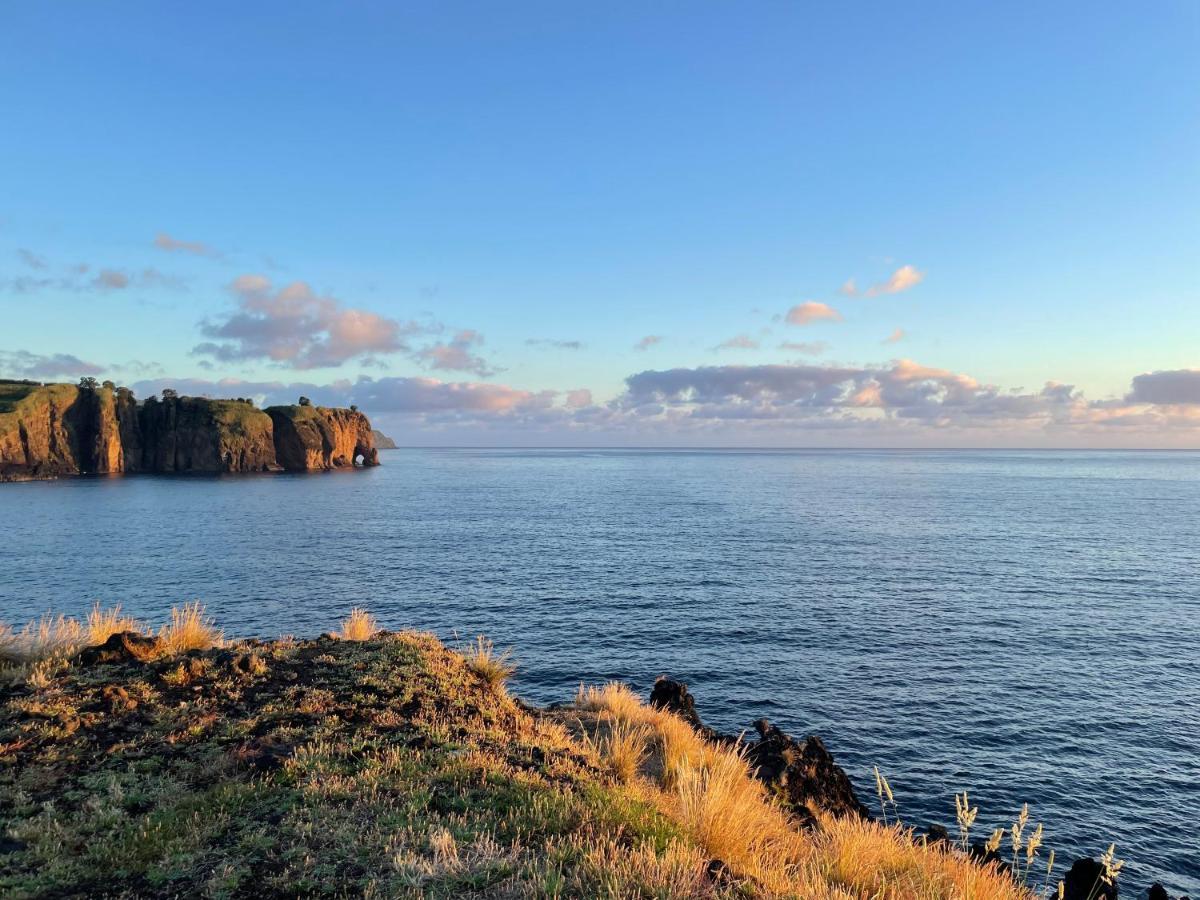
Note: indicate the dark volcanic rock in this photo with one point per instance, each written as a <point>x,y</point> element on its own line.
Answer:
<point>1084,881</point>
<point>124,646</point>
<point>802,774</point>
<point>673,696</point>
<point>1157,892</point>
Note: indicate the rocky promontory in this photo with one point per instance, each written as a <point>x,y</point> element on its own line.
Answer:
<point>55,430</point>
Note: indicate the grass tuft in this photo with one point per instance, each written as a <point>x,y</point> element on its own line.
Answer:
<point>190,629</point>
<point>494,667</point>
<point>360,625</point>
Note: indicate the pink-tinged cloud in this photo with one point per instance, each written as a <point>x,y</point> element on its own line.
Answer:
<point>903,279</point>
<point>849,288</point>
<point>579,398</point>
<point>110,280</point>
<point>811,311</point>
<point>648,341</point>
<point>164,241</point>
<point>296,327</point>
<point>895,337</point>
<point>738,342</point>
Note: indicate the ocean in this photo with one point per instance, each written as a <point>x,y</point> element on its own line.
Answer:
<point>1022,625</point>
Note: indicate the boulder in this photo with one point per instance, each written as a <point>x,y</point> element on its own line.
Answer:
<point>121,647</point>
<point>1085,881</point>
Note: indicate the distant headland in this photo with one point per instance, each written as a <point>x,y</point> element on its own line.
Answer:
<point>92,428</point>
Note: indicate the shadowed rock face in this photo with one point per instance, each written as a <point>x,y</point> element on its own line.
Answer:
<point>48,431</point>
<point>191,434</point>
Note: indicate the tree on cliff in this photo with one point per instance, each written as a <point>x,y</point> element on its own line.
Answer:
<point>170,394</point>
<point>88,383</point>
<point>304,401</point>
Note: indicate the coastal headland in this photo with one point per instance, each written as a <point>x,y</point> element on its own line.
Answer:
<point>57,430</point>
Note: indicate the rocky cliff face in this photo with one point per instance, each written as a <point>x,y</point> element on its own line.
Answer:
<point>316,437</point>
<point>192,434</point>
<point>47,431</point>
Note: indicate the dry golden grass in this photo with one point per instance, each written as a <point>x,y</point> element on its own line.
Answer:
<point>360,625</point>
<point>710,791</point>
<point>190,629</point>
<point>494,667</point>
<point>50,636</point>
<point>104,623</point>
<point>622,746</point>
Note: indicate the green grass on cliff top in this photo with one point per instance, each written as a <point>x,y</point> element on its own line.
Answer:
<point>326,767</point>
<point>17,397</point>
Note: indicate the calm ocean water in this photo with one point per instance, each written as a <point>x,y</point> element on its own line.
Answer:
<point>1024,625</point>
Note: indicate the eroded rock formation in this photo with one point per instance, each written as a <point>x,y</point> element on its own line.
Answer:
<point>802,774</point>
<point>53,430</point>
<point>315,437</point>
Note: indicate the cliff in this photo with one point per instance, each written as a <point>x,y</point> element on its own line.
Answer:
<point>54,430</point>
<point>317,437</point>
<point>191,434</point>
<point>382,441</point>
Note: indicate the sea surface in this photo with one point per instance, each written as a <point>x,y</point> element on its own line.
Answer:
<point>1022,625</point>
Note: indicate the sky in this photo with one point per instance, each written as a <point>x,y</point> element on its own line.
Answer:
<point>667,224</point>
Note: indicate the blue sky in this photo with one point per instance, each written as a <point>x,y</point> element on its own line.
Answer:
<point>441,184</point>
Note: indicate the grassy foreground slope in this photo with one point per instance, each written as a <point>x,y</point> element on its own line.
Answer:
<point>392,766</point>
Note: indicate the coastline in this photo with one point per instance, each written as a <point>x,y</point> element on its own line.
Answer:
<point>385,762</point>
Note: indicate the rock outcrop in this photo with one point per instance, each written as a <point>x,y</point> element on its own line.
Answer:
<point>54,430</point>
<point>382,441</point>
<point>317,437</point>
<point>802,774</point>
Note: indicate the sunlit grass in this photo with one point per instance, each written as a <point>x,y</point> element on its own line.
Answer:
<point>190,629</point>
<point>360,625</point>
<point>493,666</point>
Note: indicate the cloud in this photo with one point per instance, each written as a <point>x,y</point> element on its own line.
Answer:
<point>557,345</point>
<point>23,364</point>
<point>298,328</point>
<point>110,280</point>
<point>738,342</point>
<point>31,259</point>
<point>849,288</point>
<point>811,348</point>
<point>1170,386</point>
<point>648,341</point>
<point>578,399</point>
<point>811,311</point>
<point>456,355</point>
<point>164,241</point>
<point>895,337</point>
<point>903,279</point>
<point>899,403</point>
<point>73,278</point>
